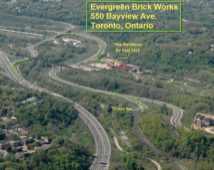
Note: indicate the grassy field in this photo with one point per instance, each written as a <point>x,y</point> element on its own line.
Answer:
<point>2,69</point>
<point>79,133</point>
<point>187,164</point>
<point>90,45</point>
<point>20,22</point>
<point>187,120</point>
<point>11,43</point>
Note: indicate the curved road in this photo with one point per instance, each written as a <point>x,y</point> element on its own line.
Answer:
<point>175,120</point>
<point>103,146</point>
<point>178,113</point>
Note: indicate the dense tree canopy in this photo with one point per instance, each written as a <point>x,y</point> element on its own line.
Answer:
<point>190,142</point>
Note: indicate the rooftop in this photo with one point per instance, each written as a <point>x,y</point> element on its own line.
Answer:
<point>17,141</point>
<point>23,137</point>
<point>44,147</point>
<point>15,126</point>
<point>8,133</point>
<point>199,116</point>
<point>5,143</point>
<point>208,119</point>
<point>21,154</point>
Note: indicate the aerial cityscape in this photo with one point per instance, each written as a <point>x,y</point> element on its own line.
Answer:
<point>106,85</point>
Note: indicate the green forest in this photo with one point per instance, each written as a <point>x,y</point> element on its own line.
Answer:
<point>182,145</point>
<point>64,155</point>
<point>52,127</point>
<point>46,116</point>
<point>58,53</point>
<point>176,54</point>
<point>122,82</point>
<point>188,54</point>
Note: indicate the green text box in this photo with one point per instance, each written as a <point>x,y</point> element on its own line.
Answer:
<point>130,2</point>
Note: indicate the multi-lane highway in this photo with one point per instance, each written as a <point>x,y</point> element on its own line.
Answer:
<point>101,138</point>
<point>101,52</point>
<point>175,120</point>
<point>31,48</point>
<point>103,146</point>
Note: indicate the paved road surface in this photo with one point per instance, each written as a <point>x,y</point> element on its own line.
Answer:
<point>103,146</point>
<point>175,120</point>
<point>103,155</point>
<point>91,58</point>
<point>178,113</point>
<point>103,152</point>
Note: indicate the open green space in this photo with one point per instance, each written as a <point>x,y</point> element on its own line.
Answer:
<point>92,102</point>
<point>182,71</point>
<point>67,52</point>
<point>13,43</point>
<point>2,69</point>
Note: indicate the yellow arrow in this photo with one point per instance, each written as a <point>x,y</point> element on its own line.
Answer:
<point>121,59</point>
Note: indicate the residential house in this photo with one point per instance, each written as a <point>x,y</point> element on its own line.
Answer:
<point>7,133</point>
<point>19,149</point>
<point>31,152</point>
<point>14,119</point>
<point>198,117</point>
<point>8,121</point>
<point>27,140</point>
<point>4,110</point>
<point>4,145</point>
<point>3,152</point>
<point>198,123</point>
<point>208,121</point>
<point>18,104</point>
<point>43,142</point>
<point>15,127</point>
<point>201,121</point>
<point>21,154</point>
<point>29,100</point>
<point>43,147</point>
<point>15,143</point>
<point>23,137</point>
<point>45,138</point>
<point>23,130</point>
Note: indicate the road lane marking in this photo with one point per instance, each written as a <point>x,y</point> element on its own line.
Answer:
<point>98,133</point>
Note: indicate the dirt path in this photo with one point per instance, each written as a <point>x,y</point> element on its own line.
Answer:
<point>116,141</point>
<point>118,147</point>
<point>146,142</point>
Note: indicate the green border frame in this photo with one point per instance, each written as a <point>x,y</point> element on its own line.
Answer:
<point>129,2</point>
